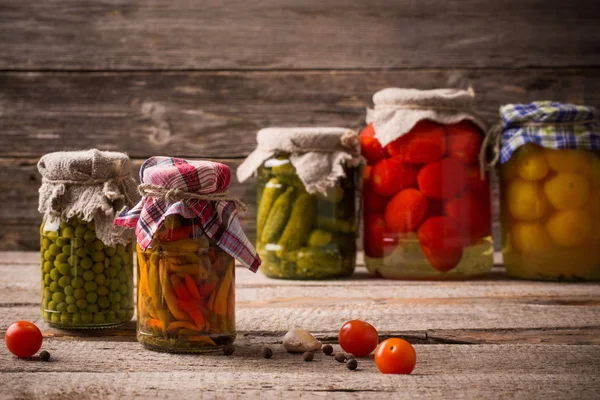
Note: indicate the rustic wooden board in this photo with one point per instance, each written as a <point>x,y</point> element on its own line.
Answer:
<point>217,114</point>
<point>267,34</point>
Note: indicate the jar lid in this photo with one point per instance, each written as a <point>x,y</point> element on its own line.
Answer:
<point>192,189</point>
<point>548,124</point>
<point>318,153</point>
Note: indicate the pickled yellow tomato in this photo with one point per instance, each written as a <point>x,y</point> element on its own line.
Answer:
<point>593,204</point>
<point>570,160</point>
<point>531,163</point>
<point>530,238</point>
<point>526,200</point>
<point>508,170</point>
<point>570,228</point>
<point>567,190</point>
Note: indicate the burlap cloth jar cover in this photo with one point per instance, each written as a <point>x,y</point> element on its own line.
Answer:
<point>396,111</point>
<point>192,189</point>
<point>319,154</point>
<point>92,185</point>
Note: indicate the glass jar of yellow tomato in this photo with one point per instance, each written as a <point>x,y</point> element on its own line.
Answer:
<point>550,213</point>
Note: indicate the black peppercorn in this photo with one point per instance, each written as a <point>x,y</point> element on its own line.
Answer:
<point>350,357</point>
<point>308,356</point>
<point>352,364</point>
<point>328,349</point>
<point>267,352</point>
<point>228,349</point>
<point>340,357</point>
<point>44,355</point>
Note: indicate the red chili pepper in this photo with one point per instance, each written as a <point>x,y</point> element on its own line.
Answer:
<point>206,289</point>
<point>173,235</point>
<point>192,288</point>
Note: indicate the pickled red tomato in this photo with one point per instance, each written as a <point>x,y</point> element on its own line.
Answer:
<point>472,214</point>
<point>377,242</point>
<point>370,147</point>
<point>463,141</point>
<point>390,175</point>
<point>441,240</point>
<point>425,143</point>
<point>442,179</point>
<point>405,211</point>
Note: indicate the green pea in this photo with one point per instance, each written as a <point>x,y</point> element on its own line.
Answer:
<point>47,293</point>
<point>124,302</point>
<point>114,285</point>
<point>55,318</point>
<point>103,302</point>
<point>120,250</point>
<point>98,256</point>
<point>45,303</point>
<point>116,260</point>
<point>114,297</point>
<point>69,290</point>
<point>114,306</point>
<point>98,268</point>
<point>111,272</point>
<point>51,305</point>
<point>81,304</point>
<point>88,275</point>
<point>68,232</point>
<point>47,267</point>
<point>52,235</point>
<point>81,252</point>
<point>107,262</point>
<point>55,274</point>
<point>58,297</point>
<point>100,279</point>
<point>86,263</point>
<point>47,279</point>
<point>77,271</point>
<point>48,256</point>
<point>89,248</point>
<point>77,243</point>
<point>61,241</point>
<point>122,276</point>
<point>76,318</point>
<point>62,307</point>
<point>54,250</point>
<point>63,257</point>
<point>63,224</point>
<point>65,318</point>
<point>77,282</point>
<point>89,236</point>
<point>73,260</point>
<point>64,269</point>
<point>64,281</point>
<point>110,251</point>
<point>46,243</point>
<point>102,291</point>
<point>122,315</point>
<point>79,294</point>
<point>123,289</point>
<point>91,297</point>
<point>99,318</point>
<point>72,308</point>
<point>70,300</point>
<point>54,286</point>
<point>86,317</point>
<point>90,286</point>
<point>93,308</point>
<point>111,316</point>
<point>127,261</point>
<point>80,231</point>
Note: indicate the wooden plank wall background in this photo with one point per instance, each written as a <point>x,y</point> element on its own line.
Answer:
<point>198,79</point>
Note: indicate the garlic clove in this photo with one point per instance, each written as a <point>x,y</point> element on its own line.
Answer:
<point>299,340</point>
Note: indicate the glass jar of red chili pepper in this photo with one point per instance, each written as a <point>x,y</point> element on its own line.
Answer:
<point>188,238</point>
<point>426,203</point>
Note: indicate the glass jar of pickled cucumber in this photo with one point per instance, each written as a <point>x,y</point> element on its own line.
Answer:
<point>307,192</point>
<point>186,290</point>
<point>188,237</point>
<point>302,235</point>
<point>85,283</point>
<point>426,199</point>
<point>86,263</point>
<point>550,195</point>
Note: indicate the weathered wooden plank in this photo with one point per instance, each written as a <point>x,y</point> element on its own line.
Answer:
<point>216,114</point>
<point>107,370</point>
<point>266,34</point>
<point>20,220</point>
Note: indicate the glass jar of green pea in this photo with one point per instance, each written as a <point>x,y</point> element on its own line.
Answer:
<point>85,283</point>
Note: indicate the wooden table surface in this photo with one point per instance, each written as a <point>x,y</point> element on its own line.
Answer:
<point>485,339</point>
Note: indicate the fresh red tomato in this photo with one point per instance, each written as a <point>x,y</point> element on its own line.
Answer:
<point>358,338</point>
<point>395,356</point>
<point>23,339</point>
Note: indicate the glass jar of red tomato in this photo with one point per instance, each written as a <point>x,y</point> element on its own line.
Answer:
<point>426,210</point>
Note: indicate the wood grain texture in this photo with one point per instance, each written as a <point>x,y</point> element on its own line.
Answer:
<point>217,114</point>
<point>267,34</point>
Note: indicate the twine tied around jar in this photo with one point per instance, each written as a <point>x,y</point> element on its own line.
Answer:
<point>175,195</point>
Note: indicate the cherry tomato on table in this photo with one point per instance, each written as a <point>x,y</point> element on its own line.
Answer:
<point>358,338</point>
<point>23,339</point>
<point>395,356</point>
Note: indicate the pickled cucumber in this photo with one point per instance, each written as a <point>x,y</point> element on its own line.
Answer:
<point>320,262</point>
<point>319,237</point>
<point>298,226</point>
<point>272,191</point>
<point>84,282</point>
<point>278,217</point>
<point>336,225</point>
